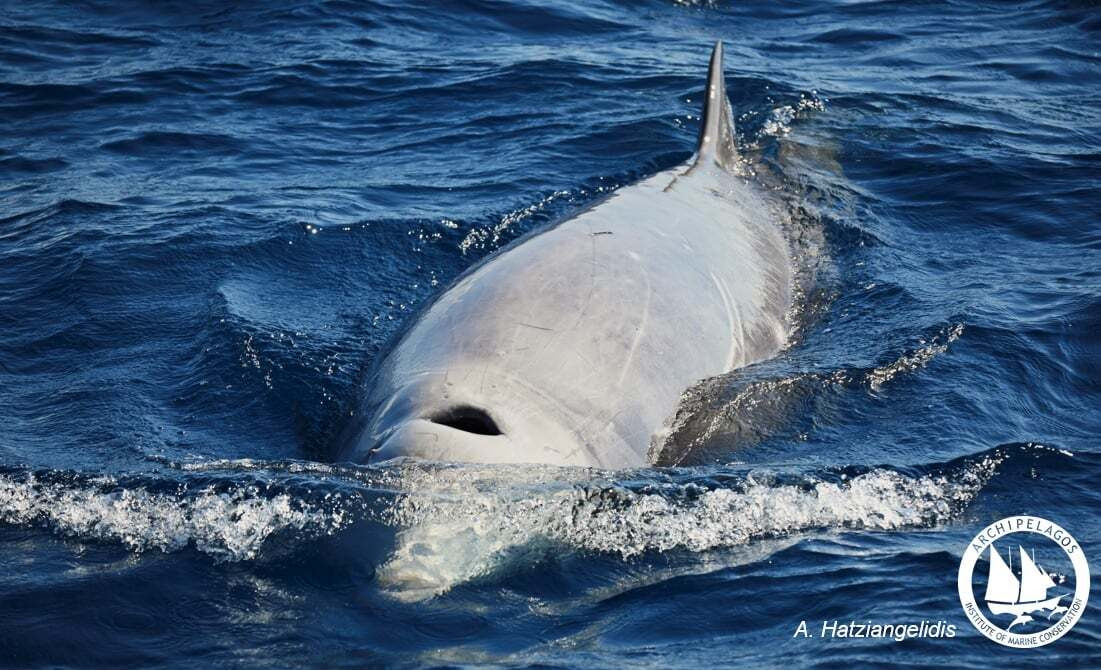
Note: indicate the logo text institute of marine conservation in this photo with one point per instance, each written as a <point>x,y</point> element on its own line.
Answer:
<point>1021,594</point>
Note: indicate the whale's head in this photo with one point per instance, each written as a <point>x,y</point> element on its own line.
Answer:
<point>473,414</point>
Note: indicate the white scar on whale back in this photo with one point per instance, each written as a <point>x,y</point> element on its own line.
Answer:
<point>574,345</point>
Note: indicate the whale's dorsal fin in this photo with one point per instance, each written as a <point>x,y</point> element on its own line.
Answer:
<point>717,128</point>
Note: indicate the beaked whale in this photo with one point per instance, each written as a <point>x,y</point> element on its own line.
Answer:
<point>574,345</point>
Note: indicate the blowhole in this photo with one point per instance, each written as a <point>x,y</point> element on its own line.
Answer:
<point>467,419</point>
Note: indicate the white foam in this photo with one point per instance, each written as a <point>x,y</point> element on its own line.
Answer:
<point>231,524</point>
<point>914,360</point>
<point>481,237</point>
<point>778,123</point>
<point>459,523</point>
<point>458,529</point>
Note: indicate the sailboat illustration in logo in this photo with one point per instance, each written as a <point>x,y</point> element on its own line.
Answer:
<point>1006,594</point>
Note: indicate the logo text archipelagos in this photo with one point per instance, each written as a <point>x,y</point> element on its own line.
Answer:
<point>1034,524</point>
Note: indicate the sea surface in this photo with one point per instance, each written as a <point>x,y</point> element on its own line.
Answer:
<point>214,216</point>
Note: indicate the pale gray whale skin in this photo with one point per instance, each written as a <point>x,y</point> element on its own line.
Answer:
<point>574,345</point>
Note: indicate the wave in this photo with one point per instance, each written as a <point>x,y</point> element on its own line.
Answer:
<point>447,524</point>
<point>228,519</point>
<point>465,523</point>
<point>155,143</point>
<point>743,408</point>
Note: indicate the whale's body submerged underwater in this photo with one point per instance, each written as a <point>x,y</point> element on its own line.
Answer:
<point>574,345</point>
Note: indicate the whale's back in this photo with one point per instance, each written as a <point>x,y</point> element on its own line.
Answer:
<point>589,332</point>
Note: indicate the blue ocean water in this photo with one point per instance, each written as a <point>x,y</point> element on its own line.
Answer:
<point>213,217</point>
